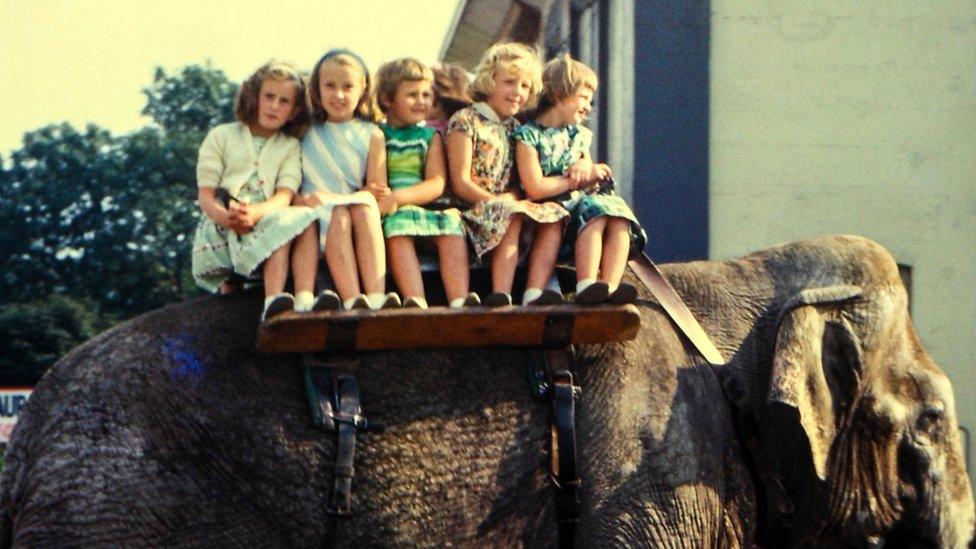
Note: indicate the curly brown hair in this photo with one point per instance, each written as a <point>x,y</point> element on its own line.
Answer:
<point>366,110</point>
<point>246,102</point>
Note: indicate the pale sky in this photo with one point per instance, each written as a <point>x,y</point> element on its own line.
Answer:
<point>86,61</point>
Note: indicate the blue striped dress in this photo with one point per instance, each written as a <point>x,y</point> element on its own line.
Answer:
<point>334,160</point>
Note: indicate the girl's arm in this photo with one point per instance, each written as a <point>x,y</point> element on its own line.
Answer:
<point>432,186</point>
<point>206,197</point>
<point>248,215</point>
<point>376,177</point>
<point>459,161</point>
<point>536,185</point>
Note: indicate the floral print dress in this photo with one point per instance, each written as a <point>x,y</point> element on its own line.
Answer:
<point>492,164</point>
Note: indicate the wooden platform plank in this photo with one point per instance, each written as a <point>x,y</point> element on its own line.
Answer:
<point>440,327</point>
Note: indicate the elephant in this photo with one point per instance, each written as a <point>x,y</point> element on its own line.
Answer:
<point>828,425</point>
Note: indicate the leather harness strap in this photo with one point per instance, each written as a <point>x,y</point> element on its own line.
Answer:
<point>654,280</point>
<point>562,447</point>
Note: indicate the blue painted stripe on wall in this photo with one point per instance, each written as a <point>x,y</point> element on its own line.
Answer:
<point>671,52</point>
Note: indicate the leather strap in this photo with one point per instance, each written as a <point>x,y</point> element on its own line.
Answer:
<point>562,455</point>
<point>346,424</point>
<point>654,280</point>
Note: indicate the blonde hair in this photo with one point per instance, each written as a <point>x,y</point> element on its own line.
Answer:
<point>564,77</point>
<point>508,56</point>
<point>246,102</point>
<point>365,110</point>
<point>393,73</point>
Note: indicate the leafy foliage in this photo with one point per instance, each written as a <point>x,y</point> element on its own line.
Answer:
<point>106,220</point>
<point>34,335</point>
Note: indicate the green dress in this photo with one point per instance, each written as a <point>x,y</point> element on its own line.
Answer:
<point>560,148</point>
<point>406,158</point>
<point>219,252</point>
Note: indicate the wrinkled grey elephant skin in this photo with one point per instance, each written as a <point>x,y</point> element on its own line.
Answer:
<point>829,426</point>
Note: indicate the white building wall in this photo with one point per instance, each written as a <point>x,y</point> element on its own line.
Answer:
<point>855,117</point>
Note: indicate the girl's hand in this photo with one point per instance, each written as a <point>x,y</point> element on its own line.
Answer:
<point>378,190</point>
<point>602,172</point>
<point>510,195</point>
<point>246,216</point>
<point>579,173</point>
<point>386,203</point>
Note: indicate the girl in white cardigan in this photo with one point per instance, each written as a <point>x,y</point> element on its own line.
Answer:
<point>247,173</point>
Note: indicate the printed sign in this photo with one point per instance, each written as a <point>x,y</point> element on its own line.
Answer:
<point>11,402</point>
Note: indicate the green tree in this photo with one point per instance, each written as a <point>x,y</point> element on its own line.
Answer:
<point>109,220</point>
<point>34,335</point>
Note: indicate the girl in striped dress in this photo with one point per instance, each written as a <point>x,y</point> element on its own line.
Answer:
<point>343,175</point>
<point>416,172</point>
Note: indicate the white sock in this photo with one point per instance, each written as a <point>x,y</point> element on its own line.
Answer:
<point>304,301</point>
<point>376,300</point>
<point>584,284</point>
<point>531,294</point>
<point>457,303</point>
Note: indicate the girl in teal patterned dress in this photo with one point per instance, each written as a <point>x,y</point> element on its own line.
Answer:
<point>554,163</point>
<point>416,172</point>
<point>247,173</point>
<point>480,156</point>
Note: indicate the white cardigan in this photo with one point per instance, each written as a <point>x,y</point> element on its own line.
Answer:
<point>227,160</point>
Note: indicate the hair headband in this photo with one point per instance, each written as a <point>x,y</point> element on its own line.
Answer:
<point>343,51</point>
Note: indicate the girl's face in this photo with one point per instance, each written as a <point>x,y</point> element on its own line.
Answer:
<point>340,88</point>
<point>411,104</point>
<point>511,93</point>
<point>575,108</point>
<point>277,104</point>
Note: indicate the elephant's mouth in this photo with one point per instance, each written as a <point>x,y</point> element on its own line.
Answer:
<point>905,536</point>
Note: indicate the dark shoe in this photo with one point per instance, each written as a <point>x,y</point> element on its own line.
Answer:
<point>281,303</point>
<point>593,294</point>
<point>391,301</point>
<point>327,301</point>
<point>497,299</point>
<point>548,297</point>
<point>360,302</point>
<point>472,300</point>
<point>623,295</point>
<point>414,303</point>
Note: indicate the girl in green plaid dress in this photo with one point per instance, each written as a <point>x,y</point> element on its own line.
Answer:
<point>553,156</point>
<point>416,174</point>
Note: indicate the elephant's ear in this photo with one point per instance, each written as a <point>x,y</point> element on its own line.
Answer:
<point>816,365</point>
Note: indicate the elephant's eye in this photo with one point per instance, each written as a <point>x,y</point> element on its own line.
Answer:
<point>930,422</point>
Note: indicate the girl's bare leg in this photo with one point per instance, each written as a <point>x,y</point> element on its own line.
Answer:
<point>616,244</point>
<point>589,248</point>
<point>452,251</point>
<point>542,257</point>
<point>276,271</point>
<point>370,251</point>
<point>339,254</point>
<point>504,258</point>
<point>405,266</point>
<point>305,259</point>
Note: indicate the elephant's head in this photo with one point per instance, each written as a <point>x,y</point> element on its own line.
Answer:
<point>858,426</point>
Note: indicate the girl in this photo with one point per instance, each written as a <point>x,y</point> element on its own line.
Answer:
<point>415,167</point>
<point>342,151</point>
<point>450,95</point>
<point>554,161</point>
<point>247,173</point>
<point>480,157</point>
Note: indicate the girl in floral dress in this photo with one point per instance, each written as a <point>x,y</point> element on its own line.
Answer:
<point>480,155</point>
<point>553,155</point>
